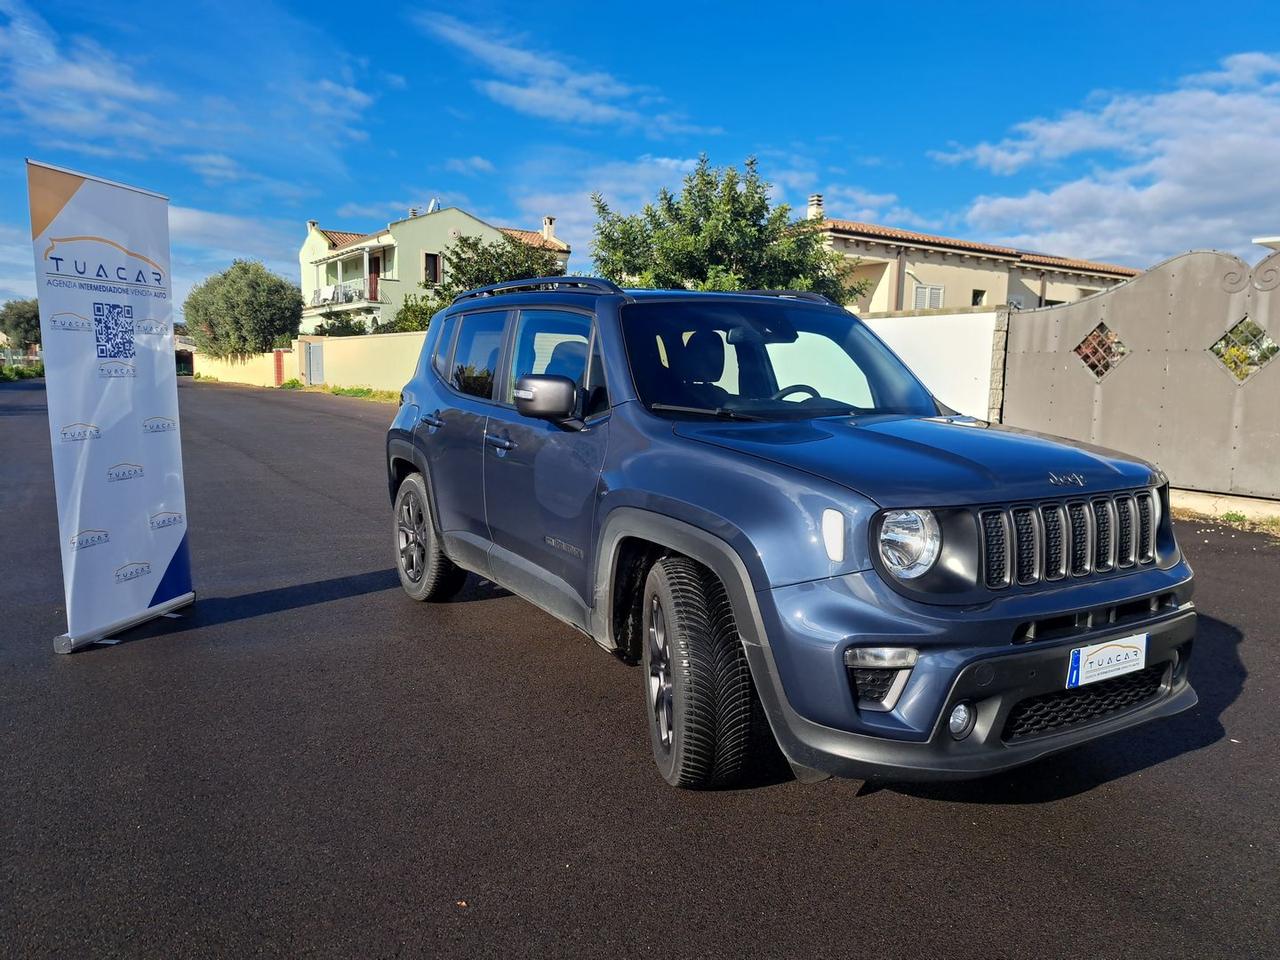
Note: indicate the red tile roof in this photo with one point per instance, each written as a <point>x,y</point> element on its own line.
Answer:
<point>345,238</point>
<point>1068,263</point>
<point>878,232</point>
<point>340,238</point>
<point>535,239</point>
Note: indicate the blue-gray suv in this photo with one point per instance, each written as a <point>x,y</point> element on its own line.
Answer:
<point>752,497</point>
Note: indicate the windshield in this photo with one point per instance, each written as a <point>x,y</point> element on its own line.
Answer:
<point>771,361</point>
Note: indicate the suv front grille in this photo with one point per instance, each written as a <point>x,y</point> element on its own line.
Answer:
<point>1050,712</point>
<point>1027,543</point>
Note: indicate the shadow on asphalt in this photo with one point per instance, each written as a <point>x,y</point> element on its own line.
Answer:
<point>23,409</point>
<point>211,611</point>
<point>1217,673</point>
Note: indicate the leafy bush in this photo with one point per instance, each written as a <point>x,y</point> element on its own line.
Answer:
<point>292,384</point>
<point>8,374</point>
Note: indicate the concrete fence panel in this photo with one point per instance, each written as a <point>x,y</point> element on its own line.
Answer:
<point>951,352</point>
<point>1180,365</point>
<point>384,361</point>
<point>258,369</point>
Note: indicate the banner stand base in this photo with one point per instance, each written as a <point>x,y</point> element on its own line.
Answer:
<point>69,644</point>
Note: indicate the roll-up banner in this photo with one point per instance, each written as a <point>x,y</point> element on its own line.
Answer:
<point>106,325</point>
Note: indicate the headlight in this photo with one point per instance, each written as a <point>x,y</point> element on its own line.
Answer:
<point>909,542</point>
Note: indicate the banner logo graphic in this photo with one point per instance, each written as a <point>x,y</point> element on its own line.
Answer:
<point>159,425</point>
<point>116,369</point>
<point>123,471</point>
<point>132,571</point>
<point>151,328</point>
<point>97,258</point>
<point>75,432</point>
<point>89,538</point>
<point>161,520</point>
<point>70,321</point>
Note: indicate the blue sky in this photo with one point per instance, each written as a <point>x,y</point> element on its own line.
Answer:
<point>1122,132</point>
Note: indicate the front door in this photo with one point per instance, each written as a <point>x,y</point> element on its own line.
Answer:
<point>541,479</point>
<point>375,273</point>
<point>451,431</point>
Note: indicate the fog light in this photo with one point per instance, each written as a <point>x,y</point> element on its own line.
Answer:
<point>880,658</point>
<point>961,720</point>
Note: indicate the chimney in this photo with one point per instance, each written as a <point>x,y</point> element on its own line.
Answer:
<point>413,212</point>
<point>815,206</point>
<point>548,228</point>
<point>312,224</point>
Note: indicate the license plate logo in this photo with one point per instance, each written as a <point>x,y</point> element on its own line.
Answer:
<point>1102,661</point>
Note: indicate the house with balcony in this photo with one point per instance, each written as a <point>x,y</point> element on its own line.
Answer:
<point>911,271</point>
<point>366,276</point>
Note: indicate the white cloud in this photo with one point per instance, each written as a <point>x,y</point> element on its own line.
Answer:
<point>468,166</point>
<point>541,84</point>
<point>74,90</point>
<point>1189,167</point>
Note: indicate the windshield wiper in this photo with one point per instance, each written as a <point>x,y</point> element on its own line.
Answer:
<point>724,413</point>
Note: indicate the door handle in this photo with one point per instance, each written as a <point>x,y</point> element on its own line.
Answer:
<point>500,442</point>
<point>431,420</point>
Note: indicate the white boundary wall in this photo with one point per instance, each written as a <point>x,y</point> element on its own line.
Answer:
<point>951,352</point>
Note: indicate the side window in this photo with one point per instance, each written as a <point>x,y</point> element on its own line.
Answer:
<point>441,359</point>
<point>552,342</point>
<point>431,272</point>
<point>475,358</point>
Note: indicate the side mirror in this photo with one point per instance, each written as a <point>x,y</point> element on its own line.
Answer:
<point>546,397</point>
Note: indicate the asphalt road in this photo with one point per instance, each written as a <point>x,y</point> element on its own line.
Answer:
<point>310,764</point>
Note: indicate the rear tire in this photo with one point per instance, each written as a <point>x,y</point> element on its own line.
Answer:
<point>705,719</point>
<point>425,572</point>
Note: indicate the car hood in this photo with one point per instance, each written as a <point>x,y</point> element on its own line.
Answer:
<point>934,461</point>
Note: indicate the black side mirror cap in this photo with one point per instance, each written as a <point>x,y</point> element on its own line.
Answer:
<point>546,397</point>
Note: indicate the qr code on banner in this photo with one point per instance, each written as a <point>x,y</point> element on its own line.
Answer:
<point>113,328</point>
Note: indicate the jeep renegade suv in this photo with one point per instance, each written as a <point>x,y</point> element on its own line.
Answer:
<point>751,496</point>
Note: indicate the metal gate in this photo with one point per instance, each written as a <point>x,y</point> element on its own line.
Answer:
<point>315,363</point>
<point>1180,365</point>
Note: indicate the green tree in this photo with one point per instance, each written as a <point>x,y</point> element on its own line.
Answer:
<point>720,233</point>
<point>341,325</point>
<point>245,309</point>
<point>20,322</point>
<point>471,262</point>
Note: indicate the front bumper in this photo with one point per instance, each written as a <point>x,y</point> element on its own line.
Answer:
<point>912,742</point>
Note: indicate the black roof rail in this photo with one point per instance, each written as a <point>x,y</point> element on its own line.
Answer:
<point>792,295</point>
<point>567,284</point>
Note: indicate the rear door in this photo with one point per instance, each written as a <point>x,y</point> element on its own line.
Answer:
<point>541,478</point>
<point>451,431</point>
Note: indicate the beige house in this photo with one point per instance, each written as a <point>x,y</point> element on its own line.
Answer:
<point>918,271</point>
<point>368,275</point>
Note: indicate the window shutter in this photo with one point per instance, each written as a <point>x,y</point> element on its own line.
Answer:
<point>935,298</point>
<point>921,296</point>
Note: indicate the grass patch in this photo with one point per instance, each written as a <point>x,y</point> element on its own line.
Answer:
<point>1234,519</point>
<point>366,393</point>
<point>293,384</point>
<point>205,377</point>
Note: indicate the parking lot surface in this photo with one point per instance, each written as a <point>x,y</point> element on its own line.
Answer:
<point>310,764</point>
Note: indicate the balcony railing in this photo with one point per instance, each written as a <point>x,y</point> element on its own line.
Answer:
<point>347,293</point>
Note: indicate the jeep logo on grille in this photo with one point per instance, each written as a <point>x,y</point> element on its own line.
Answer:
<point>1067,479</point>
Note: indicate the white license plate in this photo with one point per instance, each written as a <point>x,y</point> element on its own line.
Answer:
<point>1102,661</point>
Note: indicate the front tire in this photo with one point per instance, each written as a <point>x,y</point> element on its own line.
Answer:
<point>705,719</point>
<point>425,572</point>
